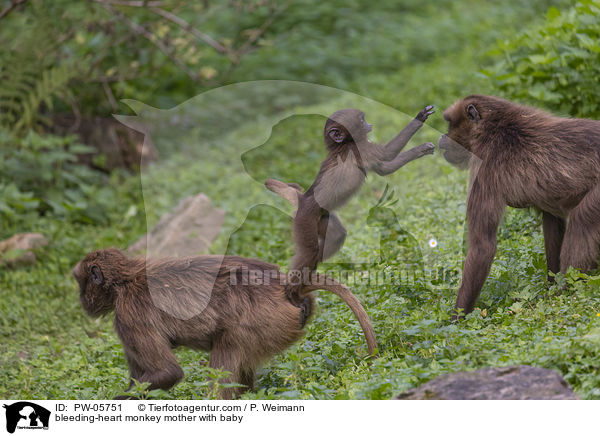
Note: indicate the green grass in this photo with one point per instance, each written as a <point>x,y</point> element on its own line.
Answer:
<point>49,349</point>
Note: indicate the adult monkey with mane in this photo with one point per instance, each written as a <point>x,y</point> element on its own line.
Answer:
<point>237,309</point>
<point>524,157</point>
<point>318,232</point>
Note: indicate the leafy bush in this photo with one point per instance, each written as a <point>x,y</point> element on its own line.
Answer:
<point>342,43</point>
<point>555,64</point>
<point>40,174</point>
<point>105,51</point>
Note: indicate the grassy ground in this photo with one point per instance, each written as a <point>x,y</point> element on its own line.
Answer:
<point>50,349</point>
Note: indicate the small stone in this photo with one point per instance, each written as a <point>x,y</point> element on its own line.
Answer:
<point>17,250</point>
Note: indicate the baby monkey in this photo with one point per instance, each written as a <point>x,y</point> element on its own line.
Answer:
<point>318,232</point>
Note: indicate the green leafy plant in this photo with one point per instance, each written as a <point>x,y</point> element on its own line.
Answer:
<point>41,174</point>
<point>555,64</point>
<point>33,72</point>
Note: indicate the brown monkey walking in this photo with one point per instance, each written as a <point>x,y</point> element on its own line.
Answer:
<point>318,232</point>
<point>523,157</point>
<point>243,317</point>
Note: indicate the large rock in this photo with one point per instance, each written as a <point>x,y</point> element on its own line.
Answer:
<point>17,250</point>
<point>188,230</point>
<point>506,383</point>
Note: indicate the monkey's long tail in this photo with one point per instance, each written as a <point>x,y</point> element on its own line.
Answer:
<point>323,282</point>
<point>289,191</point>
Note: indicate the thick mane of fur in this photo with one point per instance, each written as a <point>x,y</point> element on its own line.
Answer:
<point>525,157</point>
<point>510,132</point>
<point>510,124</point>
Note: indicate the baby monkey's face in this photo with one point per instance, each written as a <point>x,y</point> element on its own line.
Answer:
<point>347,126</point>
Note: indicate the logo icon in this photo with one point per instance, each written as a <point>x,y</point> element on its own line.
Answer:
<point>26,415</point>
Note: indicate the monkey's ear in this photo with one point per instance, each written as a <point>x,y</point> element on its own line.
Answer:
<point>336,135</point>
<point>473,113</point>
<point>96,275</point>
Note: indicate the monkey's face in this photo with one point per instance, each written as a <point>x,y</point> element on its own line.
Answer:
<point>463,118</point>
<point>95,276</point>
<point>346,126</point>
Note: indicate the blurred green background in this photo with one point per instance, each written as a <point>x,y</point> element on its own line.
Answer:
<point>66,66</point>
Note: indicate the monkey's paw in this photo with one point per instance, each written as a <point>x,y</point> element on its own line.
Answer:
<point>427,148</point>
<point>424,114</point>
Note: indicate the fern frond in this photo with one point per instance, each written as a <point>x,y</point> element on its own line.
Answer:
<point>26,98</point>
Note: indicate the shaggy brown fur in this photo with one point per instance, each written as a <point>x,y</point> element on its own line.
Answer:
<point>523,157</point>
<point>318,232</point>
<point>241,320</point>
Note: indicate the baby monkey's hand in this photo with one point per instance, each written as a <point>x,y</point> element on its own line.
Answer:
<point>424,114</point>
<point>426,148</point>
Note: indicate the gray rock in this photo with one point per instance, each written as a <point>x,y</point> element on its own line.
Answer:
<point>505,383</point>
<point>188,230</point>
<point>17,250</point>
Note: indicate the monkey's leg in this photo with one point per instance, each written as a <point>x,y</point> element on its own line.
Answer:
<point>582,238</point>
<point>135,372</point>
<point>157,365</point>
<point>306,257</point>
<point>163,378</point>
<point>306,307</point>
<point>227,357</point>
<point>247,378</point>
<point>332,235</point>
<point>554,232</point>
<point>483,216</point>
